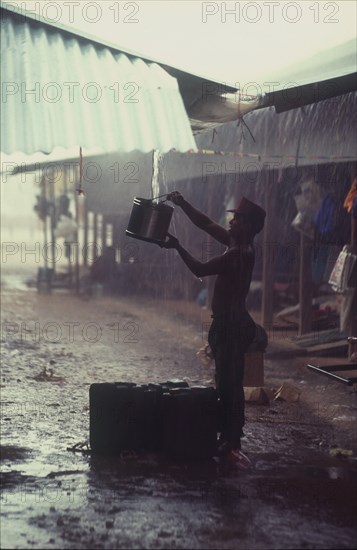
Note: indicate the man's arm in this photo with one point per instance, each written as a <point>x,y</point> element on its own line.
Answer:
<point>200,219</point>
<point>200,269</point>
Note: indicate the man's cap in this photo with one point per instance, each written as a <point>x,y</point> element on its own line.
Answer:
<point>253,211</point>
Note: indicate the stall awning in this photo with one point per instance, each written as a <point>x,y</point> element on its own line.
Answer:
<point>61,90</point>
<point>321,133</point>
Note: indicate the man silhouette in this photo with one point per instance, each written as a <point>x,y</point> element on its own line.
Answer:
<point>232,329</point>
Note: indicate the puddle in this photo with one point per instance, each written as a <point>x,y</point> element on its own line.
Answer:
<point>298,471</point>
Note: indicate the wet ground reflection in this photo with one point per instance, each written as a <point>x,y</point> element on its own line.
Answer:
<point>151,501</point>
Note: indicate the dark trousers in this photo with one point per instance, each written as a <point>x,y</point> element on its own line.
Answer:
<point>229,340</point>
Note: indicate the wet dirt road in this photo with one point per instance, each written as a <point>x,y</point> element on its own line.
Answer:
<point>296,495</point>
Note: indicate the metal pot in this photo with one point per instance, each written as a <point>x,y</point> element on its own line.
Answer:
<point>149,221</point>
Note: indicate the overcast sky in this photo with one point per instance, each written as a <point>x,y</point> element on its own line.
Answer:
<point>228,41</point>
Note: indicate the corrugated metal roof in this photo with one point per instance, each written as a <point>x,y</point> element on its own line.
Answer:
<point>323,132</point>
<point>331,73</point>
<point>60,90</point>
<point>331,63</point>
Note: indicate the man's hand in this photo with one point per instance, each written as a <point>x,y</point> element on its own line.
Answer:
<point>176,198</point>
<point>172,242</point>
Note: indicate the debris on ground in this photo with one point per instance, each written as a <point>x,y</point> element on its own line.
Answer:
<point>48,376</point>
<point>288,392</point>
<point>341,453</point>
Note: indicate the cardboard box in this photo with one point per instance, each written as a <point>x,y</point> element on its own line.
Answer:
<point>288,392</point>
<point>254,369</point>
<point>258,396</point>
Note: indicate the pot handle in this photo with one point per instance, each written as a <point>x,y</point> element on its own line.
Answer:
<point>159,197</point>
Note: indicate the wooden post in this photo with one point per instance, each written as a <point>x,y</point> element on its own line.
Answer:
<point>305,285</point>
<point>268,260</point>
<point>52,198</point>
<point>115,240</point>
<point>85,236</point>
<point>353,317</point>
<point>95,235</point>
<point>45,233</point>
<point>104,233</point>
<point>76,265</point>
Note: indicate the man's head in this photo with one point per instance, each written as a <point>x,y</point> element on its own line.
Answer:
<point>248,218</point>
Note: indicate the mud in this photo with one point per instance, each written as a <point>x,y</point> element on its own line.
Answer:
<point>54,346</point>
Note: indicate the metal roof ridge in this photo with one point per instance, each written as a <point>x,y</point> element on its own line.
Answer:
<point>77,33</point>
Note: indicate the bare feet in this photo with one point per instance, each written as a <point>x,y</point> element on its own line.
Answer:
<point>239,459</point>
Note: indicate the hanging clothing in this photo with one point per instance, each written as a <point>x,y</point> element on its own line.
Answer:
<point>351,195</point>
<point>354,208</point>
<point>324,227</point>
<point>325,217</point>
